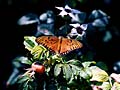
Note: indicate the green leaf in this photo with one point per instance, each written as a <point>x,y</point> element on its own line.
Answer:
<point>62,88</point>
<point>75,62</point>
<point>27,82</point>
<point>85,73</point>
<point>38,51</point>
<point>72,81</point>
<point>106,86</point>
<point>57,69</point>
<point>29,42</point>
<point>67,71</point>
<point>75,69</point>
<point>88,63</point>
<point>23,79</point>
<point>17,62</point>
<point>98,74</point>
<point>116,86</point>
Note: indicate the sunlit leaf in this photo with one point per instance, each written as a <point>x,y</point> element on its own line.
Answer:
<point>106,86</point>
<point>67,71</point>
<point>37,51</point>
<point>98,74</point>
<point>115,77</point>
<point>85,73</point>
<point>57,69</point>
<point>75,69</point>
<point>116,86</point>
<point>29,42</point>
<point>88,63</point>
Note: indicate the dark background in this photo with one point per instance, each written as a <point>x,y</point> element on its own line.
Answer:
<point>11,35</point>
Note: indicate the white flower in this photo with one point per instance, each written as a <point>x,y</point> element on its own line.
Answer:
<point>78,30</point>
<point>68,11</point>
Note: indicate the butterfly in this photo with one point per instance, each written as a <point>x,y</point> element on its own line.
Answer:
<point>59,45</point>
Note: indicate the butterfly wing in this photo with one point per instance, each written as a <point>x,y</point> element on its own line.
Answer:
<point>59,45</point>
<point>68,45</point>
<point>50,42</point>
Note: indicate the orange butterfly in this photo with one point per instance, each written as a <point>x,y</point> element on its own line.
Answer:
<point>59,45</point>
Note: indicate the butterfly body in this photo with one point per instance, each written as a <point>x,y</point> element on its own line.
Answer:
<point>59,45</point>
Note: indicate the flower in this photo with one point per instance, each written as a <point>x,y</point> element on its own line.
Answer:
<point>68,11</point>
<point>78,30</point>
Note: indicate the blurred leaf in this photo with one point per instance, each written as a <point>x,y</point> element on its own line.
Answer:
<point>29,18</point>
<point>13,77</point>
<point>51,86</point>
<point>26,62</point>
<point>46,26</point>
<point>63,30</point>
<point>47,17</point>
<point>71,3</point>
<point>62,87</point>
<point>79,18</point>
<point>102,65</point>
<point>101,22</point>
<point>82,1</point>
<point>23,79</point>
<point>107,37</point>
<point>98,74</point>
<point>88,56</point>
<point>97,14</point>
<point>57,69</point>
<point>27,83</point>
<point>45,29</point>
<point>17,61</point>
<point>43,17</point>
